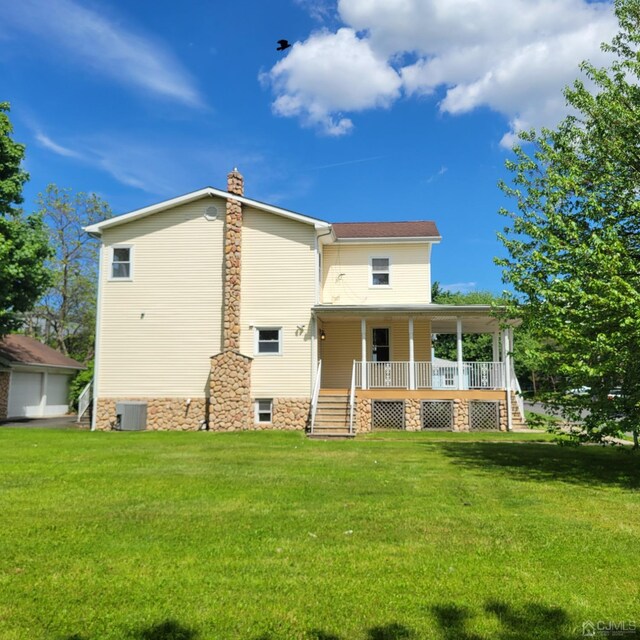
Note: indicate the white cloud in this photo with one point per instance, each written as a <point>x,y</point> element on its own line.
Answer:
<point>48,143</point>
<point>320,10</point>
<point>103,45</point>
<point>438,174</point>
<point>513,56</point>
<point>155,166</point>
<point>331,73</point>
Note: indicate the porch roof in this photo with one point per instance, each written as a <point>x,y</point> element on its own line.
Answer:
<point>476,318</point>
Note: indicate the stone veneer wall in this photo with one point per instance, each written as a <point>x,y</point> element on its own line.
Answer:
<point>363,415</point>
<point>502,415</point>
<point>173,414</point>
<point>412,417</point>
<point>460,415</point>
<point>288,413</point>
<point>4,393</point>
<point>230,406</point>
<point>163,414</point>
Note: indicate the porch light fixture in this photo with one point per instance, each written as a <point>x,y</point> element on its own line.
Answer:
<point>323,335</point>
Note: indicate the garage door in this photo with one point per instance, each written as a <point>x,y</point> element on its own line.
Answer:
<point>25,392</point>
<point>57,390</point>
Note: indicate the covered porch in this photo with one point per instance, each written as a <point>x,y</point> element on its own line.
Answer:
<point>387,354</point>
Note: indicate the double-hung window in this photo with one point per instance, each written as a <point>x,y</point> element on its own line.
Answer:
<point>121,263</point>
<point>380,272</point>
<point>268,341</point>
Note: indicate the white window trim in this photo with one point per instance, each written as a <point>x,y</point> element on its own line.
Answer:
<point>379,286</point>
<point>256,341</point>
<point>131,262</point>
<point>256,406</point>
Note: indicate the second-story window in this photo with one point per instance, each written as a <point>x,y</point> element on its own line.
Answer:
<point>121,263</point>
<point>380,272</point>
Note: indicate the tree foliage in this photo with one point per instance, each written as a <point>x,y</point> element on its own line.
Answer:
<point>23,240</point>
<point>475,347</point>
<point>65,315</point>
<point>573,240</point>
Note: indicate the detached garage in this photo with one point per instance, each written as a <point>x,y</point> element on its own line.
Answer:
<point>34,379</point>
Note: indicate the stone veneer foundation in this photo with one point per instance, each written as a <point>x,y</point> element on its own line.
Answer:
<point>413,419</point>
<point>289,413</point>
<point>173,414</point>
<point>163,414</point>
<point>4,394</point>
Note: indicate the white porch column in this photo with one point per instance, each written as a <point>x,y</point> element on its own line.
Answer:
<point>363,336</point>
<point>496,346</point>
<point>412,367</point>
<point>459,351</point>
<point>506,356</point>
<point>313,329</point>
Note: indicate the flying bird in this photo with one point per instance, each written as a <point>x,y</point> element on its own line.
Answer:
<point>282,45</point>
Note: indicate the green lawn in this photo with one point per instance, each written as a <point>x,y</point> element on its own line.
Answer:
<point>191,536</point>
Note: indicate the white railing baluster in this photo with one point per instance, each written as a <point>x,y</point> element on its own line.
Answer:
<point>316,394</point>
<point>84,399</point>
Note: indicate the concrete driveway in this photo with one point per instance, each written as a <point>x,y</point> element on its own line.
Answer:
<point>65,422</point>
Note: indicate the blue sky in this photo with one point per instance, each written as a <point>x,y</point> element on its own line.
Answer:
<point>382,109</point>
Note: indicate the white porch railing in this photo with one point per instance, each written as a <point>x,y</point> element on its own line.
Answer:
<point>352,396</point>
<point>84,400</point>
<point>427,375</point>
<point>316,395</point>
<point>388,375</point>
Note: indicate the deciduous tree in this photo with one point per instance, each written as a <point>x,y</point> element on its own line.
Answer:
<point>65,315</point>
<point>574,239</point>
<point>23,240</point>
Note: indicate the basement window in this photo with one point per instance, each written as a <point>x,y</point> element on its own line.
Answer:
<point>121,263</point>
<point>264,411</point>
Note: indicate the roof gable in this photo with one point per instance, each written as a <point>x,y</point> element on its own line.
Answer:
<point>96,229</point>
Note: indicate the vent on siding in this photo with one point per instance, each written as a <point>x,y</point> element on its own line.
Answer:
<point>211,212</point>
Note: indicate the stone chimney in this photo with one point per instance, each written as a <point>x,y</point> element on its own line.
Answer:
<point>230,405</point>
<point>235,183</point>
<point>233,263</point>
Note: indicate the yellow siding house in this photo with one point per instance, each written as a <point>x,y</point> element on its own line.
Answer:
<point>219,312</point>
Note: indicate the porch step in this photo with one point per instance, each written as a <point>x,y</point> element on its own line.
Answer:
<point>332,416</point>
<point>332,436</point>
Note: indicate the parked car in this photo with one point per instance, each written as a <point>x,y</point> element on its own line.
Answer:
<point>580,391</point>
<point>614,393</point>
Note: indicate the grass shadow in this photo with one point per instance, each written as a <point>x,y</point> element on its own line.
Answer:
<point>393,631</point>
<point>587,465</point>
<point>167,630</point>
<point>528,622</point>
